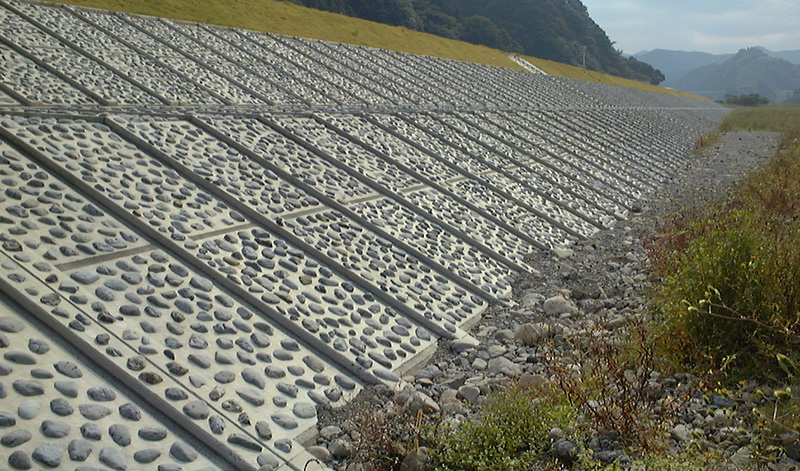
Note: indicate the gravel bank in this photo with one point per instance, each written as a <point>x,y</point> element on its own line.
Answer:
<point>598,286</point>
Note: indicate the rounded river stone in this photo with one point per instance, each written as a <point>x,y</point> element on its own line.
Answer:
<point>152,434</point>
<point>196,410</point>
<point>120,434</point>
<point>79,450</point>
<point>20,460</point>
<point>113,458</point>
<point>101,393</point>
<point>94,411</point>
<point>182,452</point>
<point>61,407</point>
<point>146,456</point>
<point>49,454</point>
<point>29,409</point>
<point>68,369</point>
<point>15,438</point>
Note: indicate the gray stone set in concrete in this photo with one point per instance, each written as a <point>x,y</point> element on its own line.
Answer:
<point>206,233</point>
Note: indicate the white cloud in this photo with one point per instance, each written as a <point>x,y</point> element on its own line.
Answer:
<point>704,25</point>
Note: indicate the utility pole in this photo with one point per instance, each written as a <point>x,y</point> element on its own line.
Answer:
<point>584,57</point>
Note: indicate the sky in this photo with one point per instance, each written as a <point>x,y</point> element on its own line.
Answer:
<point>716,26</point>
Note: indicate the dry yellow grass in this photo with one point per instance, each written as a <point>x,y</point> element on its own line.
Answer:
<point>287,18</point>
<point>577,73</point>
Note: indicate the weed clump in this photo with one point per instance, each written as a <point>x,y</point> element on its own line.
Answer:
<point>510,433</point>
<point>731,299</point>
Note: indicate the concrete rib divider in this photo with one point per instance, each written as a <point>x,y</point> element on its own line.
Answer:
<point>393,182</point>
<point>345,65</point>
<point>186,257</point>
<point>45,66</point>
<point>81,305</point>
<point>404,75</point>
<point>489,150</point>
<point>595,161</point>
<point>476,159</point>
<point>121,54</point>
<point>89,20</point>
<point>83,52</point>
<point>592,138</point>
<point>254,139</point>
<point>614,184</point>
<point>244,58</point>
<point>140,406</point>
<point>344,210</point>
<point>494,188</point>
<point>20,70</point>
<point>428,180</point>
<point>445,177</point>
<point>205,74</point>
<point>561,163</point>
<point>327,71</point>
<point>354,276</point>
<point>259,45</point>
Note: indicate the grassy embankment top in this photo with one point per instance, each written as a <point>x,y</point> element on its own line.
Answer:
<point>293,20</point>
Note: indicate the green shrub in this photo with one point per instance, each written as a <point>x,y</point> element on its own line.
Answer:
<point>509,434</point>
<point>732,271</point>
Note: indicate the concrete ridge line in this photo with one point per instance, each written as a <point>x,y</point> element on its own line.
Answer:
<point>464,283</point>
<point>261,307</point>
<point>221,73</point>
<point>133,388</point>
<point>393,67</point>
<point>18,97</point>
<point>330,52</point>
<point>515,163</point>
<point>77,13</point>
<point>619,143</point>
<point>175,48</point>
<point>48,68</point>
<point>308,248</point>
<point>285,42</point>
<point>430,184</point>
<point>636,132</point>
<point>535,158</point>
<point>470,176</point>
<point>571,128</point>
<point>239,48</point>
<point>613,176</point>
<point>298,66</point>
<point>80,50</point>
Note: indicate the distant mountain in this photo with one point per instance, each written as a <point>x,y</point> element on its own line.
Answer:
<point>675,64</point>
<point>791,56</point>
<point>749,71</point>
<point>559,30</point>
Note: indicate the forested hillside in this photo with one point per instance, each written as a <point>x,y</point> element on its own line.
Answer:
<point>558,30</point>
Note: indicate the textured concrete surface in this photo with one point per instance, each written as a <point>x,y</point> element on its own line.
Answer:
<point>205,232</point>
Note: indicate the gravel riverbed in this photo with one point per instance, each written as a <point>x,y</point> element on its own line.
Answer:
<point>599,285</point>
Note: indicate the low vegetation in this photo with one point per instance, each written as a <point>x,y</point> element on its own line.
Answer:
<point>510,434</point>
<point>732,270</point>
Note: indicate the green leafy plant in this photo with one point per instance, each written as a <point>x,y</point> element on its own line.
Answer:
<point>731,294</point>
<point>510,433</point>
